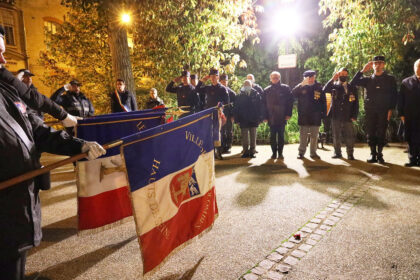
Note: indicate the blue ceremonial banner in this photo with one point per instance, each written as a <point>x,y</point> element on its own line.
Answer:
<point>107,128</point>
<point>170,170</point>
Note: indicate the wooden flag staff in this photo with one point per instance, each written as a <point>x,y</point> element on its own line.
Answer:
<point>45,169</point>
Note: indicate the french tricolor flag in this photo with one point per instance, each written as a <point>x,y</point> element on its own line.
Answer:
<point>103,194</point>
<point>171,175</point>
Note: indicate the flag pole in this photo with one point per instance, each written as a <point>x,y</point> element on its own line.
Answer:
<point>31,174</point>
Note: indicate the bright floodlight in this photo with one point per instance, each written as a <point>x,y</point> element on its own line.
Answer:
<point>286,23</point>
<point>126,18</point>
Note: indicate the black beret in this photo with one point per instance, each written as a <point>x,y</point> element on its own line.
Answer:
<point>194,76</point>
<point>309,73</point>
<point>214,72</point>
<point>224,77</point>
<point>185,74</point>
<point>379,58</point>
<point>75,82</point>
<point>2,32</point>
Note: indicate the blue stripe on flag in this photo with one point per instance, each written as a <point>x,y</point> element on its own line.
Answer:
<point>114,127</point>
<point>155,153</point>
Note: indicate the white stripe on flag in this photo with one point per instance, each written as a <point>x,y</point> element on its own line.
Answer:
<point>153,204</point>
<point>101,175</point>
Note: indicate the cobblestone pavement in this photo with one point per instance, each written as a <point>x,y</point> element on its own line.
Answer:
<point>355,221</point>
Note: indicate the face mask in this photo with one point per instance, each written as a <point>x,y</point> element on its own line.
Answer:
<point>247,89</point>
<point>343,79</point>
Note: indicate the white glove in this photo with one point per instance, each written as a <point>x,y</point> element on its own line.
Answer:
<point>94,150</point>
<point>305,82</point>
<point>71,120</point>
<point>66,87</point>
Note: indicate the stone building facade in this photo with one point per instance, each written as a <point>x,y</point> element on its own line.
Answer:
<point>25,22</point>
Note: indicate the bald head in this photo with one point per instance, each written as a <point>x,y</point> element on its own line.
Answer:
<point>417,68</point>
<point>275,77</point>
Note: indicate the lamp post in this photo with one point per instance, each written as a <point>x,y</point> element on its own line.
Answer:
<point>118,44</point>
<point>284,26</point>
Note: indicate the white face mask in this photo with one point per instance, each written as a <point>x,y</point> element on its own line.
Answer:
<point>246,89</point>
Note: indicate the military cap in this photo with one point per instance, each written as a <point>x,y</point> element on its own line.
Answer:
<point>75,82</point>
<point>379,58</point>
<point>26,72</point>
<point>214,72</point>
<point>185,74</point>
<point>309,73</point>
<point>194,76</point>
<point>224,77</point>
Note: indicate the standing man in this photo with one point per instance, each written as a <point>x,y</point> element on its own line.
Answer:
<point>278,105</point>
<point>380,100</point>
<point>154,99</point>
<point>255,86</point>
<point>213,94</point>
<point>227,129</point>
<point>409,112</point>
<point>247,112</point>
<point>185,93</point>
<point>73,101</point>
<point>25,76</point>
<point>23,137</point>
<point>312,109</point>
<point>122,100</point>
<point>344,111</point>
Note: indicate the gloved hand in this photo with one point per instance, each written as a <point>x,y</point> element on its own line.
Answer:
<point>66,87</point>
<point>94,150</point>
<point>71,120</point>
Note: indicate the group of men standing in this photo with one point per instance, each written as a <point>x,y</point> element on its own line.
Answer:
<point>253,105</point>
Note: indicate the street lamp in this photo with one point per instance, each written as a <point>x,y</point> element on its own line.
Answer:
<point>286,23</point>
<point>126,18</point>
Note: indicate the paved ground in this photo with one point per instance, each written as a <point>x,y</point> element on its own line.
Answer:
<point>368,224</point>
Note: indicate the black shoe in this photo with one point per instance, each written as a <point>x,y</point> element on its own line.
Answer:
<point>337,156</point>
<point>381,159</point>
<point>300,156</point>
<point>251,155</point>
<point>315,156</point>
<point>245,154</point>
<point>372,159</point>
<point>411,164</point>
<point>226,151</point>
<point>350,157</point>
<point>280,156</point>
<point>274,156</point>
<point>218,155</point>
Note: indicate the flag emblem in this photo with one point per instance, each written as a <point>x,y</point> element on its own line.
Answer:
<point>184,186</point>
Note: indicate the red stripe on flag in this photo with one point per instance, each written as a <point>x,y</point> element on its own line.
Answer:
<point>103,209</point>
<point>192,219</point>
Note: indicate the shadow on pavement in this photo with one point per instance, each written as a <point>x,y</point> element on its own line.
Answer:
<point>56,232</point>
<point>188,275</point>
<point>75,267</point>
<point>322,176</point>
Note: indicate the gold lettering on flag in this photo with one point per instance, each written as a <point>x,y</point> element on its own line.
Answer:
<point>153,204</point>
<point>189,136</point>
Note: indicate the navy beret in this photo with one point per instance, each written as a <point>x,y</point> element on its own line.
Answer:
<point>379,58</point>
<point>214,72</point>
<point>194,76</point>
<point>185,74</point>
<point>224,77</point>
<point>309,73</point>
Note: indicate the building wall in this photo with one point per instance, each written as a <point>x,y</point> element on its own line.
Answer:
<point>31,17</point>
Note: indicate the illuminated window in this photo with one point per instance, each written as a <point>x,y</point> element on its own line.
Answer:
<point>8,21</point>
<point>51,27</point>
